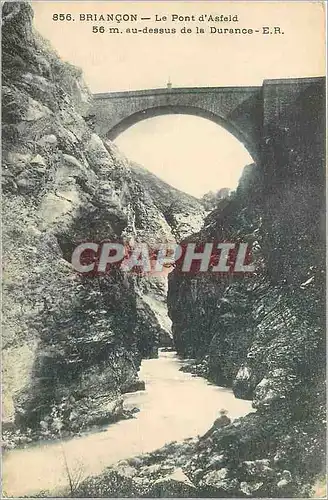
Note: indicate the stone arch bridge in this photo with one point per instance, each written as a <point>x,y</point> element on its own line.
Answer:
<point>281,123</point>
<point>267,119</point>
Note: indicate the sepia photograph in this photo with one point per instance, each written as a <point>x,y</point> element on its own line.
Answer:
<point>164,249</point>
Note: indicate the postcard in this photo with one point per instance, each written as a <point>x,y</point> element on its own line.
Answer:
<point>163,228</point>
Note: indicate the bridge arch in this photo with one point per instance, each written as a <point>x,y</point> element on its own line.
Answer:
<point>152,112</point>
<point>239,110</point>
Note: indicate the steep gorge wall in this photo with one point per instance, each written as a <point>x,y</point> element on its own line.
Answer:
<point>264,335</point>
<point>72,344</point>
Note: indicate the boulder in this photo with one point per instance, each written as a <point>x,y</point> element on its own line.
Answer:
<point>244,383</point>
<point>125,470</point>
<point>214,477</point>
<point>258,468</point>
<point>174,485</point>
<point>134,385</point>
<point>48,140</point>
<point>250,488</point>
<point>39,164</point>
<point>216,460</point>
<point>219,482</point>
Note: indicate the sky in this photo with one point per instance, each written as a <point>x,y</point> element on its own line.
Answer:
<point>196,166</point>
<point>191,153</point>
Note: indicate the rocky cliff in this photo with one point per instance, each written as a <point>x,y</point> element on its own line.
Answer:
<point>184,213</point>
<point>72,344</point>
<point>264,336</point>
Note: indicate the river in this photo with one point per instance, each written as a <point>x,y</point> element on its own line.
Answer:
<point>175,405</point>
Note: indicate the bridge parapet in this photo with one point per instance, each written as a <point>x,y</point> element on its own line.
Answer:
<point>173,90</point>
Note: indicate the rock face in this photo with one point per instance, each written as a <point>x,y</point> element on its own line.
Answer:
<point>72,344</point>
<point>184,213</point>
<point>264,336</point>
<point>212,324</point>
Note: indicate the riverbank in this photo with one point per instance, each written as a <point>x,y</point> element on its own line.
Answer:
<point>175,406</point>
